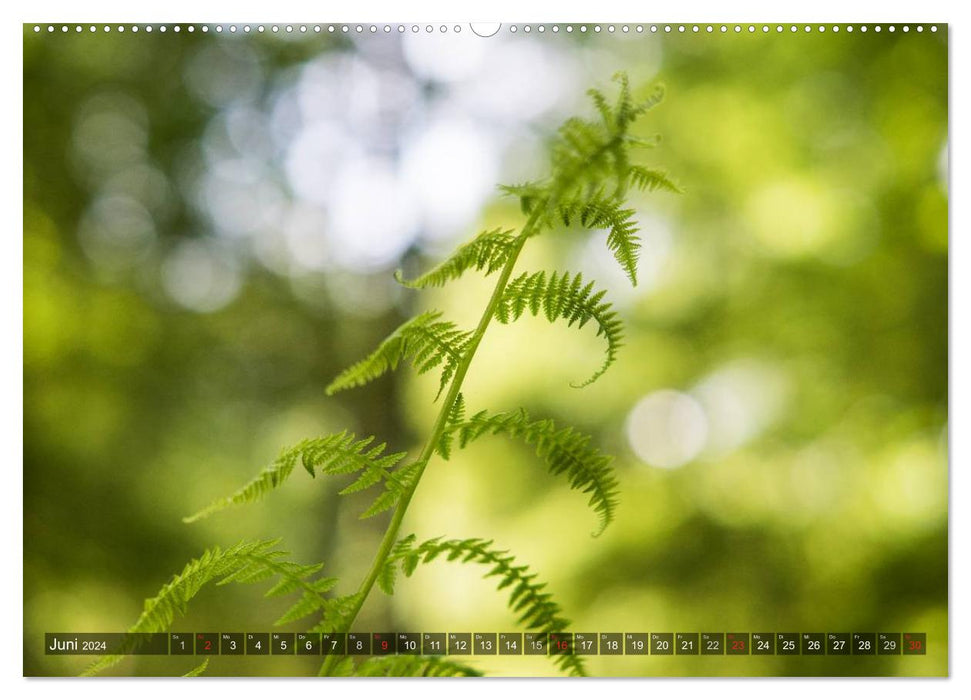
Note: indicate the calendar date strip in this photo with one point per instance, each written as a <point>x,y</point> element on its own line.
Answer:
<point>489,643</point>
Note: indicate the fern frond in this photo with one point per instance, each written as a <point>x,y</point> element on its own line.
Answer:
<point>600,211</point>
<point>308,604</point>
<point>246,562</point>
<point>588,159</point>
<point>427,341</point>
<point>343,668</point>
<point>562,297</point>
<point>488,251</point>
<point>651,102</point>
<point>336,613</point>
<point>198,670</point>
<point>625,244</point>
<point>413,666</point>
<point>565,450</point>
<point>595,210</point>
<point>581,154</point>
<point>625,111</point>
<point>536,607</point>
<point>652,180</point>
<point>456,415</point>
<point>173,598</point>
<point>591,154</point>
<point>338,453</point>
<point>395,486</point>
<point>600,102</point>
<point>270,478</point>
<point>389,571</point>
<point>528,193</point>
<point>293,577</point>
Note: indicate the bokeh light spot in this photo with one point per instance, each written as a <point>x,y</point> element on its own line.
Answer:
<point>667,429</point>
<point>200,277</point>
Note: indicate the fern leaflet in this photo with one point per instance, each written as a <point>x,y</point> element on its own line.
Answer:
<point>536,607</point>
<point>339,453</point>
<point>600,211</point>
<point>270,478</point>
<point>588,159</point>
<point>293,578</point>
<point>198,670</point>
<point>565,451</point>
<point>343,668</point>
<point>424,339</point>
<point>456,415</point>
<point>336,613</point>
<point>246,562</point>
<point>413,666</point>
<point>652,180</point>
<point>488,251</point>
<point>560,296</point>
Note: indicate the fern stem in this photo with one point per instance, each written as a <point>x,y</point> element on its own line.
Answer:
<point>391,534</point>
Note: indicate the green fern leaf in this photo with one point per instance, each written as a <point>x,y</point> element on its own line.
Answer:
<point>389,572</point>
<point>488,251</point>
<point>625,111</point>
<point>599,211</point>
<point>562,297</point>
<point>655,98</point>
<point>530,194</point>
<point>588,154</point>
<point>307,605</point>
<point>651,180</point>
<point>588,159</point>
<point>270,478</point>
<point>394,488</point>
<point>456,415</point>
<point>336,613</point>
<point>581,155</point>
<point>245,562</point>
<point>565,451</point>
<point>603,107</point>
<point>424,339</point>
<point>173,598</point>
<point>536,608</point>
<point>343,668</point>
<point>624,243</point>
<point>339,453</point>
<point>413,666</point>
<point>293,578</point>
<point>198,670</point>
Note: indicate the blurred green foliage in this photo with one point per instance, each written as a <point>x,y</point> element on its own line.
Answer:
<point>794,298</point>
